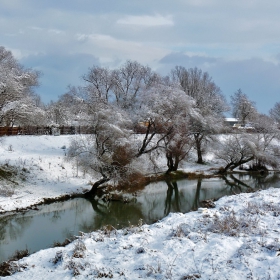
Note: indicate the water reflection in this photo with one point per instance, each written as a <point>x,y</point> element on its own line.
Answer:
<point>36,230</point>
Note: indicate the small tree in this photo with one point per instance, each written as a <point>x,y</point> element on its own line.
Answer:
<point>258,147</point>
<point>243,108</point>
<point>266,149</point>
<point>106,151</point>
<point>235,150</point>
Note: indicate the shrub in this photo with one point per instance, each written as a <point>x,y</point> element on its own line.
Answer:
<point>11,266</point>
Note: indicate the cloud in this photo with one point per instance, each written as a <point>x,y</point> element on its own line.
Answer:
<point>258,78</point>
<point>179,58</point>
<point>110,48</point>
<point>147,21</point>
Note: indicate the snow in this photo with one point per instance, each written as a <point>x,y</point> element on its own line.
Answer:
<point>238,239</point>
<point>50,175</point>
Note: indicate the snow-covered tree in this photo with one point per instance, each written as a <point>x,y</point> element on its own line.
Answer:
<point>107,151</point>
<point>70,109</point>
<point>177,145</point>
<point>208,100</point>
<point>161,109</point>
<point>259,148</point>
<point>235,150</point>
<point>243,108</point>
<point>266,150</point>
<point>23,112</point>
<point>16,83</point>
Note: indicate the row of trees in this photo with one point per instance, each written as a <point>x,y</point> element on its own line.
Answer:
<point>177,114</point>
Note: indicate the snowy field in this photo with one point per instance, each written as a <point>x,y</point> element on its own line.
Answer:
<point>238,239</point>
<point>42,172</point>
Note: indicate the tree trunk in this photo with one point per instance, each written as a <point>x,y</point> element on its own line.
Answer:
<point>198,148</point>
<point>170,162</point>
<point>93,190</point>
<point>176,164</point>
<point>230,166</point>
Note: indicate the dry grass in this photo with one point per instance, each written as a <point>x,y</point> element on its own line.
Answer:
<point>234,226</point>
<point>12,266</point>
<point>79,249</point>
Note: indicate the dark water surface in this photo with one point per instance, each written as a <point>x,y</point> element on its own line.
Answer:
<point>37,230</point>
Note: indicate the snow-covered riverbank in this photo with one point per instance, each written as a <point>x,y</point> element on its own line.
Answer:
<point>238,239</point>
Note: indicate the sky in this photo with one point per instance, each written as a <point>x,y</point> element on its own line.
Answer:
<point>236,42</point>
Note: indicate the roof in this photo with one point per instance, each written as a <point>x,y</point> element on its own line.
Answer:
<point>231,120</point>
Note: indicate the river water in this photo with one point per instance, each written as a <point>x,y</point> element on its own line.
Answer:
<point>39,229</point>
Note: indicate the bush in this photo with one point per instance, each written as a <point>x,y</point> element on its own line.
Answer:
<point>11,266</point>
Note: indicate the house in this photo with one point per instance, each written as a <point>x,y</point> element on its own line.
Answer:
<point>232,122</point>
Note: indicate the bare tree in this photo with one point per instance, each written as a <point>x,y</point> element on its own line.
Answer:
<point>129,81</point>
<point>275,113</point>
<point>99,83</point>
<point>242,108</point>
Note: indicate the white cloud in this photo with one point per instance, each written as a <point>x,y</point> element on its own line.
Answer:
<point>55,31</point>
<point>145,20</point>
<point>109,48</point>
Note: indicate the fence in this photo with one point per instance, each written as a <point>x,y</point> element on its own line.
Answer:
<point>46,130</point>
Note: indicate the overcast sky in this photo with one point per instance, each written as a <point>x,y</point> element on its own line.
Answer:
<point>237,42</point>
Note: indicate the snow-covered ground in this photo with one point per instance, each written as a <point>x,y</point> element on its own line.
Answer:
<point>238,239</point>
<point>40,160</point>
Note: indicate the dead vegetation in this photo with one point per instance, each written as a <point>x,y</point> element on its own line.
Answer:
<point>233,225</point>
<point>10,177</point>
<point>12,265</point>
